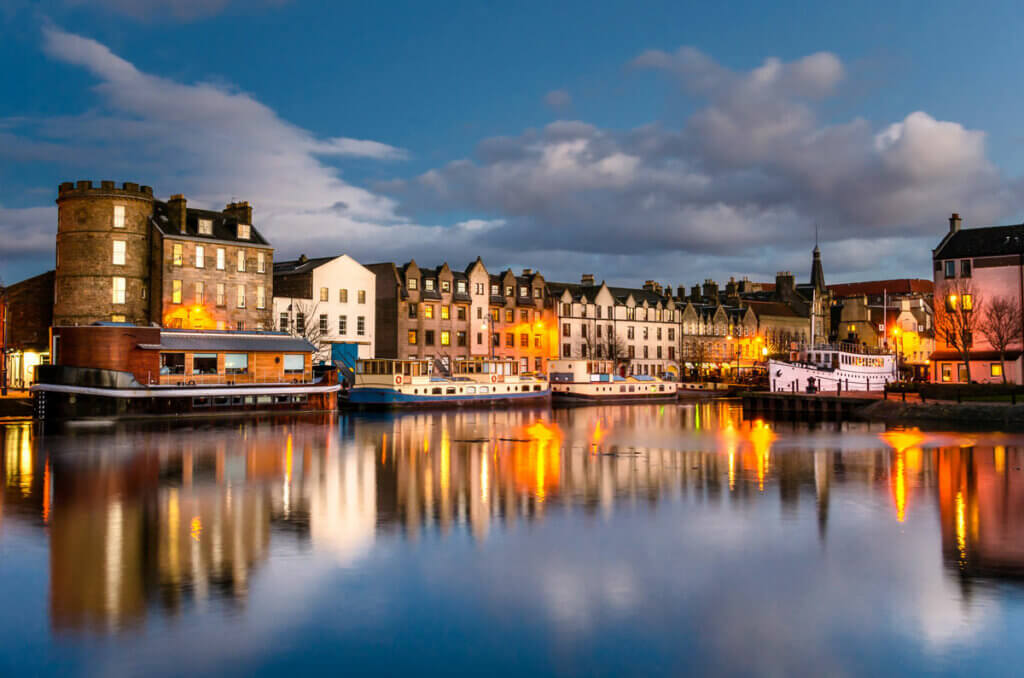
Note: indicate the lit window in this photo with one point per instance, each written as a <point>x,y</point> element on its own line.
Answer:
<point>200,293</point>
<point>460,286</point>
<point>261,262</point>
<point>261,297</point>
<point>968,302</point>
<point>412,337</point>
<point>508,290</point>
<point>175,291</point>
<point>996,370</point>
<point>446,338</point>
<point>241,261</point>
<point>411,284</point>
<point>361,297</point>
<point>119,287</point>
<point>118,216</point>
<point>324,294</point>
<point>117,318</point>
<point>220,258</point>
<point>494,290</point>
<point>343,296</point>
<point>176,254</point>
<point>445,312</point>
<point>428,311</point>
<point>241,296</point>
<point>220,294</point>
<point>244,231</point>
<point>342,324</point>
<point>428,284</point>
<point>119,249</point>
<point>446,285</point>
<point>205,227</point>
<point>200,256</point>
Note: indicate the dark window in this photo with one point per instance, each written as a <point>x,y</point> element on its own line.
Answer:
<point>428,337</point>
<point>524,340</point>
<point>460,337</point>
<point>510,339</point>
<point>566,332</point>
<point>950,269</point>
<point>965,268</point>
<point>461,313</point>
<point>174,363</point>
<point>204,363</point>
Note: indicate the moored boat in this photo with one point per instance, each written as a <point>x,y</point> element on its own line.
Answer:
<point>385,382</point>
<point>833,367</point>
<point>595,381</point>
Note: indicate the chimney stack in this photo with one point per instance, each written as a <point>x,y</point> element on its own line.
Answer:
<point>527,271</point>
<point>649,285</point>
<point>695,294</point>
<point>954,223</point>
<point>240,212</point>
<point>711,290</point>
<point>177,211</point>
<point>587,279</point>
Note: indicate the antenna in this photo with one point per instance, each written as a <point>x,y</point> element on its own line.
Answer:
<point>815,234</point>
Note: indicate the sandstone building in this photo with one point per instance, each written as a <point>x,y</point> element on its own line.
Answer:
<point>124,256</point>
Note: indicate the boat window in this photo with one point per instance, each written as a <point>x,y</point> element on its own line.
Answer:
<point>450,390</point>
<point>484,389</point>
<point>294,363</point>
<point>360,367</point>
<point>435,391</point>
<point>236,363</point>
<point>172,363</point>
<point>407,369</point>
<point>204,363</point>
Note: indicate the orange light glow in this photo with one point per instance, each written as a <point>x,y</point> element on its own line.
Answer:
<point>196,528</point>
<point>190,317</point>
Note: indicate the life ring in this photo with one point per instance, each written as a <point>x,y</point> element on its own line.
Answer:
<point>494,378</point>
<point>398,379</point>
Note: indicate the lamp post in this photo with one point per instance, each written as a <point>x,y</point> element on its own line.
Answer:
<point>3,342</point>
<point>896,345</point>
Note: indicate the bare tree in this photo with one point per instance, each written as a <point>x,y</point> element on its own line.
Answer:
<point>957,318</point>
<point>304,322</point>
<point>1000,324</point>
<point>614,348</point>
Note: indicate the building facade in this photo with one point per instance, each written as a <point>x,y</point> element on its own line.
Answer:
<point>974,270</point>
<point>327,300</point>
<point>26,313</point>
<point>124,256</point>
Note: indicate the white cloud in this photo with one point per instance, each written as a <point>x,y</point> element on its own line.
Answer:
<point>751,170</point>
<point>180,10</point>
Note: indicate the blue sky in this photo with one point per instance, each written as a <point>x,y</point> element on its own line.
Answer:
<point>632,140</point>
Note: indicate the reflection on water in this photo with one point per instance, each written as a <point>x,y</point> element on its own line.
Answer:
<point>142,525</point>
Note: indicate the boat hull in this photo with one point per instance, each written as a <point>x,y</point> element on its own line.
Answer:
<point>378,397</point>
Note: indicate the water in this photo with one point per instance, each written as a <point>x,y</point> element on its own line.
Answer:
<point>642,540</point>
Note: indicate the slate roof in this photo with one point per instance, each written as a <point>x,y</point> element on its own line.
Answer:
<point>299,266</point>
<point>775,308</point>
<point>191,340</point>
<point>982,242</point>
<point>224,227</point>
<point>873,288</point>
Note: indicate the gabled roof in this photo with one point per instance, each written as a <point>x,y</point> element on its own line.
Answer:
<point>224,227</point>
<point>774,308</point>
<point>982,242</point>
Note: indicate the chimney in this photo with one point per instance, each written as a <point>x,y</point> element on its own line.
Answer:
<point>240,212</point>
<point>732,289</point>
<point>711,290</point>
<point>587,279</point>
<point>657,287</point>
<point>303,258</point>
<point>681,292</point>
<point>649,285</point>
<point>177,212</point>
<point>695,294</point>
<point>527,271</point>
<point>954,223</point>
<point>785,285</point>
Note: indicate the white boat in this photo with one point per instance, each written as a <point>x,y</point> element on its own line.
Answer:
<point>412,383</point>
<point>591,381</point>
<point>833,367</point>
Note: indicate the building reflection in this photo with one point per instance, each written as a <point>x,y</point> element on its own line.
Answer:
<point>981,507</point>
<point>151,520</point>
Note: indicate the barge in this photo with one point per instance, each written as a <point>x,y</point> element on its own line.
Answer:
<point>391,383</point>
<point>117,370</point>
<point>594,381</point>
<point>833,367</point>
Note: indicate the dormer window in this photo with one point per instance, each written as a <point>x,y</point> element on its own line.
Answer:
<point>244,231</point>
<point>428,284</point>
<point>412,283</point>
<point>494,290</point>
<point>460,286</point>
<point>446,286</point>
<point>206,227</point>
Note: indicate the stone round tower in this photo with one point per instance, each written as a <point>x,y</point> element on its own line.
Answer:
<point>103,253</point>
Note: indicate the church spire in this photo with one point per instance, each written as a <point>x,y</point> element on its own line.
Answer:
<point>817,272</point>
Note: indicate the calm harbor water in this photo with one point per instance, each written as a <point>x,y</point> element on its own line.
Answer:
<point>636,540</point>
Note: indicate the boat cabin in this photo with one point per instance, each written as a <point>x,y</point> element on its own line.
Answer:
<point>564,371</point>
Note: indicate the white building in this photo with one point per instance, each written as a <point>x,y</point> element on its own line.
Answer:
<point>327,300</point>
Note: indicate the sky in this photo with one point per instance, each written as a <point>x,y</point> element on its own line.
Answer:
<point>633,140</point>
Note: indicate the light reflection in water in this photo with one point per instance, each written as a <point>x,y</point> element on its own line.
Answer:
<point>144,521</point>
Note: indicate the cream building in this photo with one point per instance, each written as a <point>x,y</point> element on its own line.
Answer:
<point>327,300</point>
